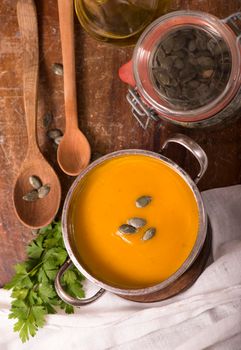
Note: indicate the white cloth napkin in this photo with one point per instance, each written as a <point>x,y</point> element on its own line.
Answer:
<point>207,316</point>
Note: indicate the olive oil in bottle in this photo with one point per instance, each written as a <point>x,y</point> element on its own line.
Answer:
<point>118,21</point>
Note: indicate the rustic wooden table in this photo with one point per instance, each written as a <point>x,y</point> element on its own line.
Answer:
<point>104,114</point>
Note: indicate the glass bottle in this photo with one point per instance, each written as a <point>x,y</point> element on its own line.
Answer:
<point>118,21</point>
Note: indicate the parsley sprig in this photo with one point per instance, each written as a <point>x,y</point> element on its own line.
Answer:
<point>33,284</point>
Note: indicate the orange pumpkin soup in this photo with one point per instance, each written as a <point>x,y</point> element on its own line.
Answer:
<point>105,200</point>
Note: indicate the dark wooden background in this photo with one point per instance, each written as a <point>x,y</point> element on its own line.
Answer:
<point>104,114</point>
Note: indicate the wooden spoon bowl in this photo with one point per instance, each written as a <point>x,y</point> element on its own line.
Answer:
<point>42,211</point>
<point>73,152</point>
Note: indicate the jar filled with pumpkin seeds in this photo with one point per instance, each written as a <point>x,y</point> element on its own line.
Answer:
<point>186,69</point>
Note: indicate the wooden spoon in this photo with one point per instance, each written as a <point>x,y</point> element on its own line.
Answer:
<point>42,211</point>
<point>74,150</point>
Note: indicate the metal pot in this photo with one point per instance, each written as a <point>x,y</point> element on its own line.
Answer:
<point>201,157</point>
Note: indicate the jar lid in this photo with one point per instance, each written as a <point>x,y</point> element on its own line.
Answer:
<point>184,65</point>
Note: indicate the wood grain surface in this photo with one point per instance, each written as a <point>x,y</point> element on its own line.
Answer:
<point>104,114</point>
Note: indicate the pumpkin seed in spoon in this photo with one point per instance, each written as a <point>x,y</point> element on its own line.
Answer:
<point>31,196</point>
<point>43,191</point>
<point>35,182</point>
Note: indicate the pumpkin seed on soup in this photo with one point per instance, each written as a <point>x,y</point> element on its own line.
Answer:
<point>143,201</point>
<point>127,229</point>
<point>137,222</point>
<point>149,234</point>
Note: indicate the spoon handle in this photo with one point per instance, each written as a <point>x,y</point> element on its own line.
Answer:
<point>27,20</point>
<point>66,22</point>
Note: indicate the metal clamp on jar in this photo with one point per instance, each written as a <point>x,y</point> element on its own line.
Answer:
<point>186,69</point>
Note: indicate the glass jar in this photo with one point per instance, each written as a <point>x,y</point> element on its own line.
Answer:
<point>186,69</point>
<point>118,21</point>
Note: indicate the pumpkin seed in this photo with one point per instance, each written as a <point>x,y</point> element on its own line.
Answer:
<point>167,63</point>
<point>127,229</point>
<point>47,119</point>
<point>54,133</point>
<point>193,84</point>
<point>206,74</point>
<point>162,77</point>
<point>43,191</point>
<point>179,64</point>
<point>143,201</point>
<point>201,41</point>
<point>31,196</point>
<point>192,45</point>
<point>188,73</point>
<point>181,54</point>
<point>160,55</point>
<point>180,42</point>
<point>168,45</point>
<point>136,222</point>
<point>35,182</point>
<point>58,69</point>
<point>35,231</point>
<point>149,234</point>
<point>206,62</point>
<point>171,92</point>
<point>211,45</point>
<point>57,140</point>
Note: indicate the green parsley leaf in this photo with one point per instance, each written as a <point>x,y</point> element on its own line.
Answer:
<point>69,277</point>
<point>32,286</point>
<point>34,251</point>
<point>42,276</point>
<point>57,255</point>
<point>67,308</point>
<point>46,292</point>
<point>75,289</point>
<point>19,293</point>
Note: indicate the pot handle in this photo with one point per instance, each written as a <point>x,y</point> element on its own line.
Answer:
<point>68,298</point>
<point>192,147</point>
